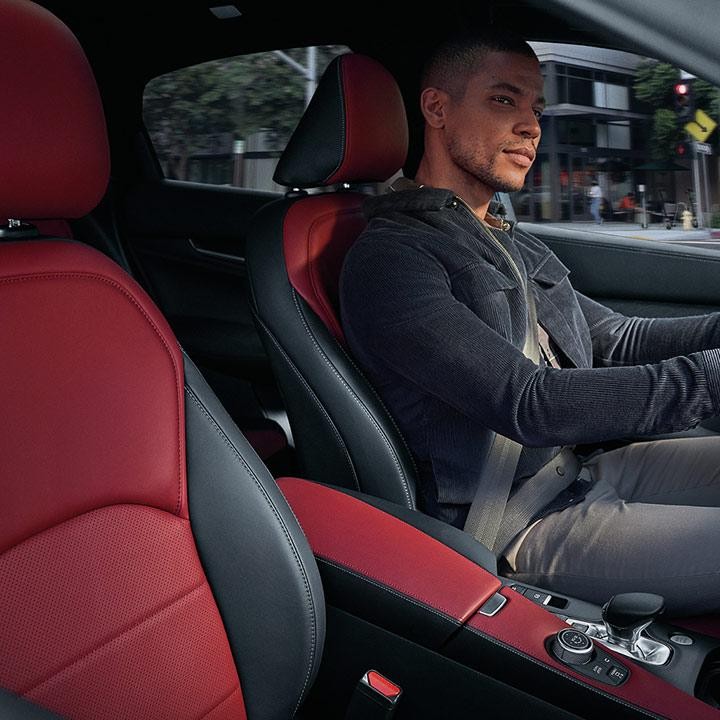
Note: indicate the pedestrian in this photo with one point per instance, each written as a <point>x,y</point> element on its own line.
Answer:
<point>595,195</point>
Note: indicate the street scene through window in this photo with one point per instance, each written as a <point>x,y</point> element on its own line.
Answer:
<point>629,144</point>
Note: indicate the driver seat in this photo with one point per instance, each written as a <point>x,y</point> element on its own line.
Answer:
<point>343,433</point>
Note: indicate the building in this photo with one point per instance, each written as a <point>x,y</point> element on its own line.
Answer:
<point>594,128</point>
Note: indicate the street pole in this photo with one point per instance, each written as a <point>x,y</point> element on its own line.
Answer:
<point>309,72</point>
<point>706,189</point>
<point>697,188</point>
<point>311,77</point>
<point>644,223</point>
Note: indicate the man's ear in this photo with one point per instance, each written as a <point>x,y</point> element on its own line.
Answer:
<point>433,105</point>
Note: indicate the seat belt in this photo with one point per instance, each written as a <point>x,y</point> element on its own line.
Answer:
<point>494,519</point>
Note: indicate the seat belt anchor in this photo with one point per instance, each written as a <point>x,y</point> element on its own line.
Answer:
<point>374,698</point>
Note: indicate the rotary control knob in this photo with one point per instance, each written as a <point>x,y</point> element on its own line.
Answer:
<point>572,647</point>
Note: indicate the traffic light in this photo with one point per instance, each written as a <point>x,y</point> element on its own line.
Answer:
<point>682,150</point>
<point>684,100</point>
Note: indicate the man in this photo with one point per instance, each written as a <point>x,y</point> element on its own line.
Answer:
<point>434,307</point>
<point>627,204</point>
<point>595,195</point>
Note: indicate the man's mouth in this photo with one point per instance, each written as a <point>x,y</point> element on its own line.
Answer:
<point>521,156</point>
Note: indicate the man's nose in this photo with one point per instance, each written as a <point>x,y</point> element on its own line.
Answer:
<point>528,126</point>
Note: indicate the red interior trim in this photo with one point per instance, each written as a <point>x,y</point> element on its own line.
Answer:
<point>54,146</point>
<point>379,546</point>
<point>53,228</point>
<point>703,624</point>
<point>93,381</point>
<point>317,233</point>
<point>525,626</point>
<point>110,614</point>
<point>376,130</point>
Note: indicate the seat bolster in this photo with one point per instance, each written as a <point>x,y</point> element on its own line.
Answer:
<point>343,432</point>
<point>13,707</point>
<point>260,567</point>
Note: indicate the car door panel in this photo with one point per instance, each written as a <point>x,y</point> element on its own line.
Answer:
<point>187,244</point>
<point>634,276</point>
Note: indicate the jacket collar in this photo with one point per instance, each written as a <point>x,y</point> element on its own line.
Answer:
<point>405,195</point>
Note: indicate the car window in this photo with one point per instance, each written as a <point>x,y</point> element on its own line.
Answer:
<point>226,122</point>
<point>621,120</point>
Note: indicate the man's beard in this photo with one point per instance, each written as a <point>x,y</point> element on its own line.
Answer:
<point>485,173</point>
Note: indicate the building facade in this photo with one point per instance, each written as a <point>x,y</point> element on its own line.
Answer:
<point>594,128</point>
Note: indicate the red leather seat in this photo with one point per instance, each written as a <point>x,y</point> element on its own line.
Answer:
<point>343,433</point>
<point>149,565</point>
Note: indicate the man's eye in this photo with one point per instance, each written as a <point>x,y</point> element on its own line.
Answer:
<point>538,113</point>
<point>503,99</point>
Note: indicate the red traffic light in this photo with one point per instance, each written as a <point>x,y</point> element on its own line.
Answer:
<point>682,89</point>
<point>681,149</point>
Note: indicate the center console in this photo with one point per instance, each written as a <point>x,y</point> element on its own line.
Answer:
<point>421,602</point>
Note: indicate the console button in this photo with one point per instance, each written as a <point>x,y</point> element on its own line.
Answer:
<point>537,597</point>
<point>679,639</point>
<point>617,674</point>
<point>573,647</point>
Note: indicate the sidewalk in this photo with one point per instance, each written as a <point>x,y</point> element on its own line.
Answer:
<point>656,231</point>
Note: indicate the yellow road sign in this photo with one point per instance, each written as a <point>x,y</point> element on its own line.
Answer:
<point>701,126</point>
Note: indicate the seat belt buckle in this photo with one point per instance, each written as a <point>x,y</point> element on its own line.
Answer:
<point>374,698</point>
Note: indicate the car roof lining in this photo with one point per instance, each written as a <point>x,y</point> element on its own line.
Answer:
<point>129,44</point>
<point>147,40</point>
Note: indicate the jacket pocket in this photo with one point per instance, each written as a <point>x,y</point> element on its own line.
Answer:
<point>490,295</point>
<point>481,279</point>
<point>549,272</point>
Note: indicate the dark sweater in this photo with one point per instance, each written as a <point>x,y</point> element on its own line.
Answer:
<point>435,313</point>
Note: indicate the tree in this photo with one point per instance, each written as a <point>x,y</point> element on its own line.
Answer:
<point>654,84</point>
<point>202,109</point>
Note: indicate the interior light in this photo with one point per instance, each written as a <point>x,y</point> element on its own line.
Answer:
<point>225,12</point>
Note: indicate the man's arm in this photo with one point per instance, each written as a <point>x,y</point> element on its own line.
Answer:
<point>398,310</point>
<point>620,340</point>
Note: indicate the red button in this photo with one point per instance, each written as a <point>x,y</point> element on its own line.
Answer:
<point>382,684</point>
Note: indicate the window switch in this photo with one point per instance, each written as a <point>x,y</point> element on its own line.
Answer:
<point>538,597</point>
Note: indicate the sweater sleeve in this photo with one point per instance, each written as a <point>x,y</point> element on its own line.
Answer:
<point>621,340</point>
<point>398,310</point>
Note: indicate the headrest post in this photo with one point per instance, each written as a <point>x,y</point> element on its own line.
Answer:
<point>16,229</point>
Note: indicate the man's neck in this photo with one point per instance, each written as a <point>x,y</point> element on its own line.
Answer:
<point>476,195</point>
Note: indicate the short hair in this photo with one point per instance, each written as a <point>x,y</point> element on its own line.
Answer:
<point>456,58</point>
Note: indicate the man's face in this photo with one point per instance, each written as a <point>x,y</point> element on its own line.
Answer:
<point>493,131</point>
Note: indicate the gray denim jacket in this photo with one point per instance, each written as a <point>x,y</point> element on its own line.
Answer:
<point>434,311</point>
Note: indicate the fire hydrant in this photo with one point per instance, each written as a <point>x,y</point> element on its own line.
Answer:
<point>686,220</point>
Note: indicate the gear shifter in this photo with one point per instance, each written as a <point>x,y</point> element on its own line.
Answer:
<point>627,615</point>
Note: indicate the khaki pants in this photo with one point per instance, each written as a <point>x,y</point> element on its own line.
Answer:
<point>650,523</point>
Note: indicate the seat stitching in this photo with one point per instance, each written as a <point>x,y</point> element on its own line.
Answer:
<point>440,612</point>
<point>342,121</point>
<point>312,271</point>
<point>377,397</point>
<point>133,628</point>
<point>313,397</point>
<point>222,700</point>
<point>357,401</point>
<point>115,285</point>
<point>226,440</point>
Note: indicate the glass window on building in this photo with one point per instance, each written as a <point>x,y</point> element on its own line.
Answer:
<point>608,95</point>
<point>614,135</point>
<point>580,91</point>
<point>575,131</point>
